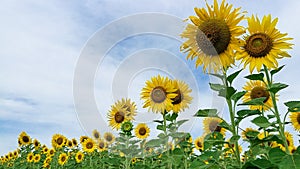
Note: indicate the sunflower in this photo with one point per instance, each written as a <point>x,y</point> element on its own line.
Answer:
<point>24,139</point>
<point>213,36</point>
<point>230,148</point>
<point>199,143</point>
<point>142,131</point>
<point>37,158</point>
<point>263,135</point>
<point>45,150</point>
<point>89,145</point>
<point>58,141</point>
<point>63,158</point>
<point>211,124</point>
<point>47,162</point>
<point>79,156</point>
<point>126,127</point>
<point>257,89</point>
<point>129,106</point>
<point>101,145</point>
<point>289,140</point>
<point>70,144</point>
<point>30,157</point>
<point>264,44</point>
<point>248,130</point>
<point>74,141</point>
<point>295,119</point>
<point>51,152</point>
<point>117,115</point>
<point>83,138</point>
<point>109,137</point>
<point>183,98</point>
<point>36,144</point>
<point>96,134</point>
<point>158,94</point>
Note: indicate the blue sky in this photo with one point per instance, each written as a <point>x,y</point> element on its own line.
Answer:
<point>42,41</point>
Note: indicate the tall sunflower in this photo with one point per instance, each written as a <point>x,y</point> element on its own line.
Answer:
<point>142,131</point>
<point>116,117</point>
<point>295,119</point>
<point>211,124</point>
<point>264,44</point>
<point>158,94</point>
<point>89,145</point>
<point>24,139</point>
<point>62,159</point>
<point>213,36</point>
<point>183,98</point>
<point>257,89</point>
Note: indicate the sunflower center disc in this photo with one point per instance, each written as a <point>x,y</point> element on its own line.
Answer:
<point>96,135</point>
<point>119,117</point>
<point>178,98</point>
<point>258,92</point>
<point>79,156</point>
<point>158,94</point>
<point>108,138</point>
<point>199,144</point>
<point>89,145</point>
<point>258,45</point>
<point>213,126</point>
<point>213,37</point>
<point>101,145</point>
<point>63,158</point>
<point>142,131</point>
<point>59,141</point>
<point>25,139</point>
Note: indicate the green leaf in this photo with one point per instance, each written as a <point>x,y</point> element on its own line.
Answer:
<point>180,122</point>
<point>293,106</point>
<point>252,134</point>
<point>207,113</point>
<point>273,72</point>
<point>259,76</point>
<point>256,101</point>
<point>231,77</point>
<point>225,125</point>
<point>262,163</point>
<point>247,112</point>
<point>158,121</point>
<point>261,121</point>
<point>217,75</point>
<point>277,87</point>
<point>160,127</point>
<point>216,87</point>
<point>237,96</point>
<point>227,92</point>
<point>154,143</point>
<point>275,155</point>
<point>233,139</point>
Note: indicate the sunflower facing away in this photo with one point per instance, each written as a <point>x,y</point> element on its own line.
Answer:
<point>264,44</point>
<point>142,131</point>
<point>211,124</point>
<point>183,98</point>
<point>118,114</point>
<point>212,38</point>
<point>257,89</point>
<point>295,119</point>
<point>158,94</point>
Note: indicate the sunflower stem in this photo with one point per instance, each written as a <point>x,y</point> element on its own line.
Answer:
<point>232,116</point>
<point>166,134</point>
<point>276,112</point>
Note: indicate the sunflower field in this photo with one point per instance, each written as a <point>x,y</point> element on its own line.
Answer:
<point>216,40</point>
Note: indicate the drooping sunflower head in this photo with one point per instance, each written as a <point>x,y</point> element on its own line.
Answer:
<point>199,143</point>
<point>257,89</point>
<point>62,159</point>
<point>264,44</point>
<point>211,124</point>
<point>58,141</point>
<point>213,36</point>
<point>158,94</point>
<point>129,106</point>
<point>142,131</point>
<point>295,119</point>
<point>183,98</point>
<point>96,134</point>
<point>248,132</point>
<point>24,139</point>
<point>89,145</point>
<point>109,137</point>
<point>79,157</point>
<point>101,145</point>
